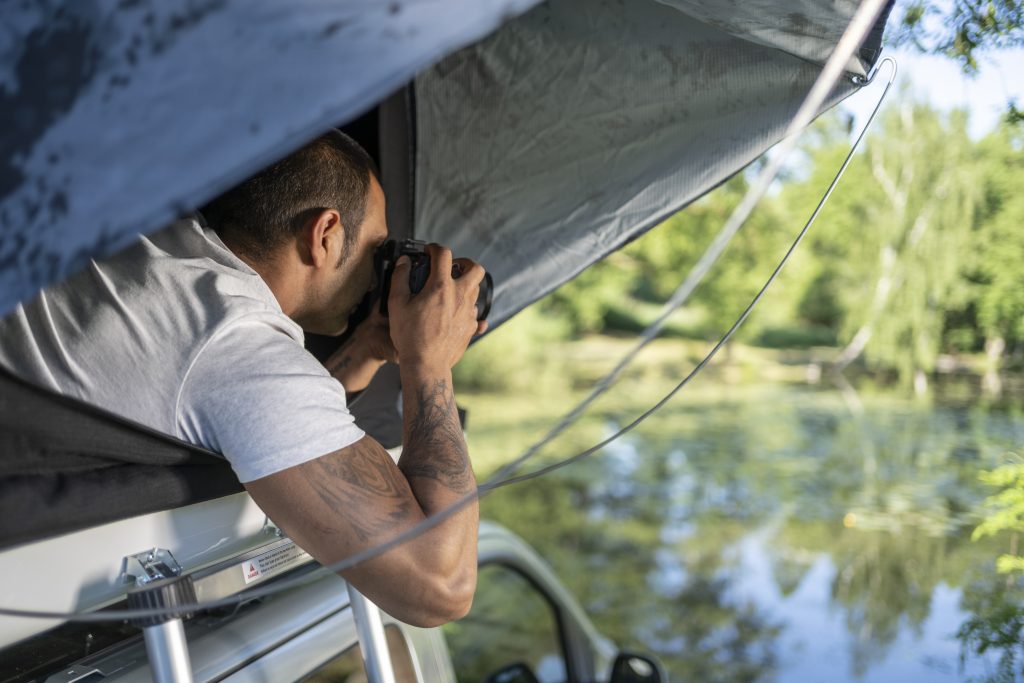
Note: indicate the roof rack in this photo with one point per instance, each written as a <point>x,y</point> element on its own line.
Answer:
<point>158,581</point>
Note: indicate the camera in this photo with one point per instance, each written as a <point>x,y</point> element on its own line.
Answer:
<point>384,263</point>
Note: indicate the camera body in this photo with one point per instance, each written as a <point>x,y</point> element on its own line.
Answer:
<point>387,255</point>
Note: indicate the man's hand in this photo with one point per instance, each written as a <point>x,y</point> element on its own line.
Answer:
<point>374,335</point>
<point>433,327</point>
<point>357,360</point>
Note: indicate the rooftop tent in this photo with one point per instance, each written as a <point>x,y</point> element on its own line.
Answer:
<point>555,139</point>
<point>570,128</point>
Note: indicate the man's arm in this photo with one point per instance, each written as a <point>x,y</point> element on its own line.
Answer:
<point>356,361</point>
<point>356,497</point>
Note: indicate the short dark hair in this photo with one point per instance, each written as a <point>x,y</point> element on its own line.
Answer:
<point>265,211</point>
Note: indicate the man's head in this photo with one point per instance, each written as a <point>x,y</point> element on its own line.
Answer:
<point>309,224</point>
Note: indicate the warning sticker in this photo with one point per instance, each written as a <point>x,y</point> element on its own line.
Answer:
<point>271,562</point>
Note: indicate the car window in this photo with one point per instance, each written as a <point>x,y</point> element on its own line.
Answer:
<point>511,622</point>
<point>348,666</point>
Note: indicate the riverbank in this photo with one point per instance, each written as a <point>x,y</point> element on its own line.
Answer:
<point>512,409</point>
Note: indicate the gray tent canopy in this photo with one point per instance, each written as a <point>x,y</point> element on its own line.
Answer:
<point>582,124</point>
<point>536,138</point>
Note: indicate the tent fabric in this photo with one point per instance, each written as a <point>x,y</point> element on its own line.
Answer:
<point>65,465</point>
<point>807,29</point>
<point>120,115</point>
<point>581,124</point>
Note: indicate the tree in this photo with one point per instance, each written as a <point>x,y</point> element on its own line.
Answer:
<point>999,267</point>
<point>652,267</point>
<point>996,622</point>
<point>671,249</point>
<point>892,245</point>
<point>961,28</point>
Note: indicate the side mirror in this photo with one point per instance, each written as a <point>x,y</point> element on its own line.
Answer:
<point>633,668</point>
<point>513,673</point>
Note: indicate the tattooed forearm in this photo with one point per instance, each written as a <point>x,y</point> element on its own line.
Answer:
<point>434,446</point>
<point>364,491</point>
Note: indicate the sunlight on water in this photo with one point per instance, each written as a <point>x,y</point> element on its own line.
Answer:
<point>768,533</point>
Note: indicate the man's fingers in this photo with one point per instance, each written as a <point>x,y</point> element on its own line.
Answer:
<point>440,263</point>
<point>400,278</point>
<point>470,279</point>
<point>399,293</point>
<point>481,327</point>
<point>469,270</point>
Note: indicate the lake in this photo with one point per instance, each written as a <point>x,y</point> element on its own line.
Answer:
<point>771,531</point>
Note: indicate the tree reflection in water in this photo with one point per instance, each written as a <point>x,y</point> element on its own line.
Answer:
<point>647,532</point>
<point>675,605</point>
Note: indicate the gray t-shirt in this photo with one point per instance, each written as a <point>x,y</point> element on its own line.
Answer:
<point>179,334</point>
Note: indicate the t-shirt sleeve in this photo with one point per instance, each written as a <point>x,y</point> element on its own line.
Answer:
<point>257,396</point>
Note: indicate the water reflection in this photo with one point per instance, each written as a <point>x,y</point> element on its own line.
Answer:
<point>771,534</point>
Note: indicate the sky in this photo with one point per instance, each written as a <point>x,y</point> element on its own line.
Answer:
<point>940,81</point>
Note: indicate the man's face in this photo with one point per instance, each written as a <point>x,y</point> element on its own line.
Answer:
<point>346,286</point>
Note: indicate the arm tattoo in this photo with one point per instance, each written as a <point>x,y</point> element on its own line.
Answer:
<point>341,358</point>
<point>361,487</point>
<point>435,447</point>
<point>334,366</point>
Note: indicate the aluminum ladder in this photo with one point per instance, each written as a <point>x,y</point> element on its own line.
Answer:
<point>156,580</point>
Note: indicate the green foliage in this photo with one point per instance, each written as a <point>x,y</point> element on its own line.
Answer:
<point>668,252</point>
<point>1004,511</point>
<point>585,302</point>
<point>605,297</point>
<point>796,337</point>
<point>514,357</point>
<point>998,269</point>
<point>887,254</point>
<point>961,28</point>
<point>820,303</point>
<point>995,624</point>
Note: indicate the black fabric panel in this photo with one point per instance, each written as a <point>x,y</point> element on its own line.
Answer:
<point>65,465</point>
<point>41,431</point>
<point>37,506</point>
<point>872,46</point>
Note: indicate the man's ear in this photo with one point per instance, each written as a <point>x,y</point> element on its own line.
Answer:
<point>325,237</point>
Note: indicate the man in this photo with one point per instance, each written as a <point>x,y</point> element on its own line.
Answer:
<point>197,332</point>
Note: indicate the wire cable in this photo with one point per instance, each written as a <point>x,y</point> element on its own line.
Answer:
<point>489,486</point>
